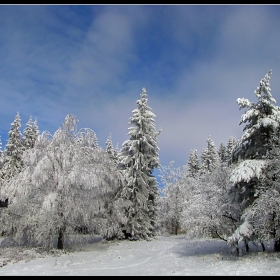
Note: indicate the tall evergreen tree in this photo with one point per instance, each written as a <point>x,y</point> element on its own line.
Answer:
<point>265,214</point>
<point>27,133</point>
<point>193,165</point>
<point>138,159</point>
<point>222,153</point>
<point>229,148</point>
<point>261,119</point>
<point>109,145</point>
<point>35,133</point>
<point>209,156</point>
<point>30,134</point>
<point>1,154</point>
<point>12,161</point>
<point>251,154</point>
<point>110,149</point>
<point>116,152</point>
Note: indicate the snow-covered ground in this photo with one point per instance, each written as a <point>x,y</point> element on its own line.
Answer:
<point>166,255</point>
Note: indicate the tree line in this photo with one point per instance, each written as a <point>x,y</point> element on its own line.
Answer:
<point>58,183</point>
<point>231,192</point>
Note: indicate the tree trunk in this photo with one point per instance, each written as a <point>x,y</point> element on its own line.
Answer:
<point>246,246</point>
<point>176,230</point>
<point>263,248</point>
<point>237,251</point>
<point>277,245</point>
<point>235,245</point>
<point>277,241</point>
<point>60,241</point>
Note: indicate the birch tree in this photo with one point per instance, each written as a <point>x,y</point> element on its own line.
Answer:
<point>67,183</point>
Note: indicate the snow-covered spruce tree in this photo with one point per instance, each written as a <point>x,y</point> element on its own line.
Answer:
<point>12,159</point>
<point>138,158</point>
<point>1,155</point>
<point>30,134</point>
<point>113,153</point>
<point>193,164</point>
<point>109,146</point>
<point>35,132</point>
<point>229,148</point>
<point>27,132</point>
<point>116,153</point>
<point>264,212</point>
<point>262,119</point>
<point>66,184</point>
<point>209,157</point>
<point>251,154</point>
<point>222,153</point>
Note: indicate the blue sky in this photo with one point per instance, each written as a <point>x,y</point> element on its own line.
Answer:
<point>93,61</point>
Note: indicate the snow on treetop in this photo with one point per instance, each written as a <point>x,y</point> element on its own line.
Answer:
<point>243,102</point>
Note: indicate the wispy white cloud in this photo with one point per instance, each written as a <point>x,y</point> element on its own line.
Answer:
<point>93,60</point>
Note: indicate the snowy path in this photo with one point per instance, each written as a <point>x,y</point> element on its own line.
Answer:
<point>172,255</point>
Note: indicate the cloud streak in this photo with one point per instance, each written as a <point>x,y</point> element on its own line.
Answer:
<point>94,60</point>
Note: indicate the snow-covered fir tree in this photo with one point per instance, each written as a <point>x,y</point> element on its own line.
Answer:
<point>261,119</point>
<point>1,154</point>
<point>27,132</point>
<point>250,155</point>
<point>229,148</point>
<point>35,133</point>
<point>264,213</point>
<point>109,145</point>
<point>209,156</point>
<point>138,157</point>
<point>12,159</point>
<point>1,158</point>
<point>113,153</point>
<point>116,152</point>
<point>222,153</point>
<point>30,134</point>
<point>66,184</point>
<point>193,164</point>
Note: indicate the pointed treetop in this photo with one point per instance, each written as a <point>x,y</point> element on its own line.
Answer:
<point>263,91</point>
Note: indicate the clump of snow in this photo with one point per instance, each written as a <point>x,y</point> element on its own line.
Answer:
<point>245,230</point>
<point>246,170</point>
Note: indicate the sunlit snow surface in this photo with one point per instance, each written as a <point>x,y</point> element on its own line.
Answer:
<point>166,255</point>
